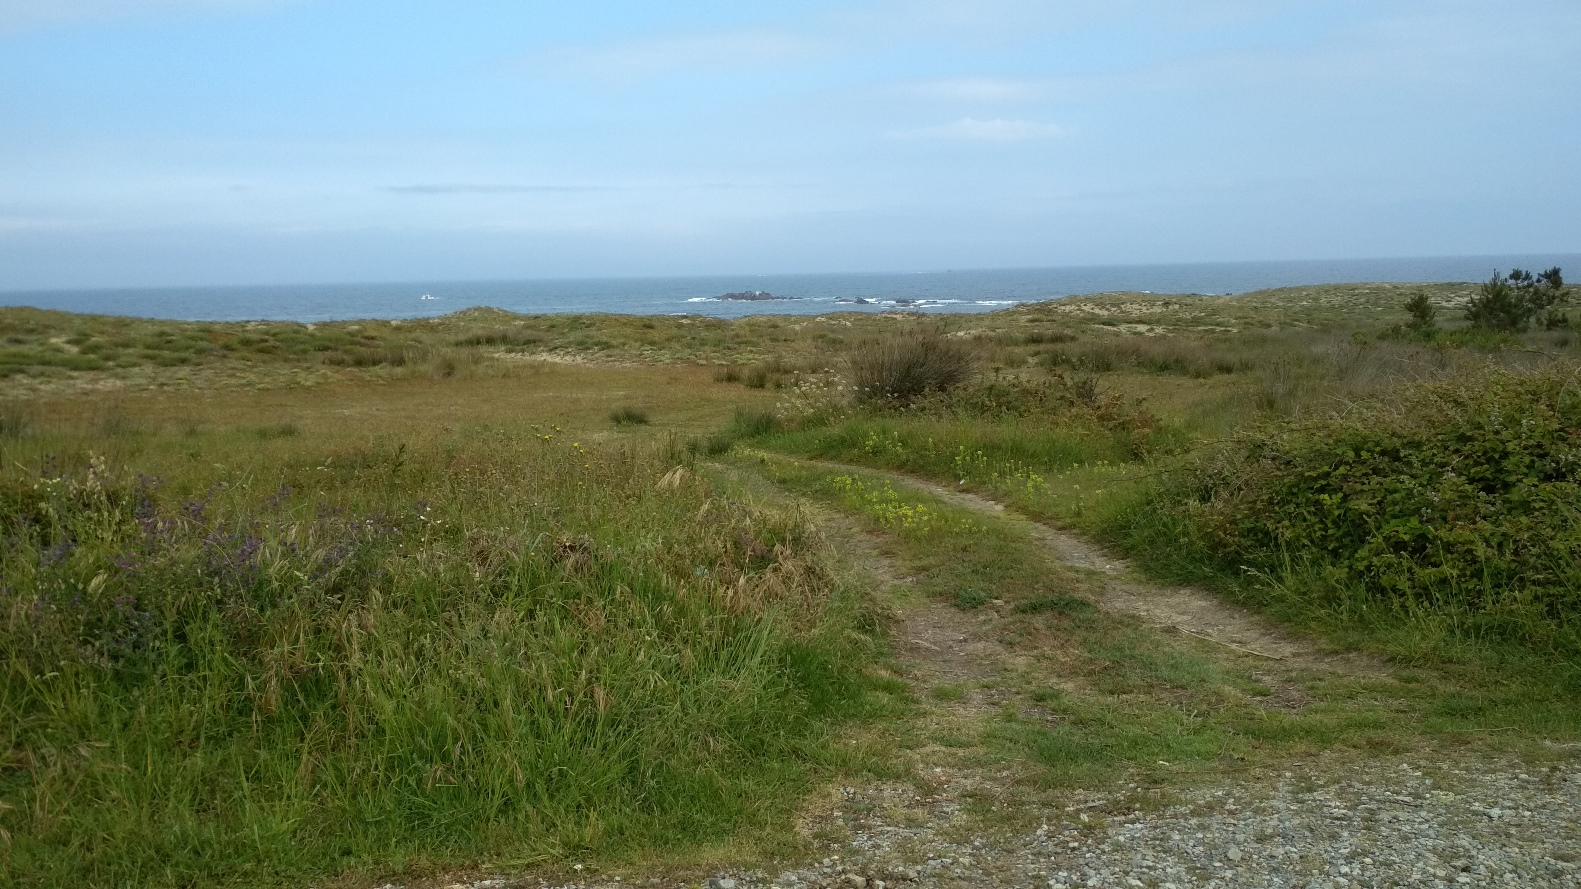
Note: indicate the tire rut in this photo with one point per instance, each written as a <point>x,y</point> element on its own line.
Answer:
<point>1182,609</point>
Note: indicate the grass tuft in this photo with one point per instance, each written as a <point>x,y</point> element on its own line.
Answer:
<point>902,367</point>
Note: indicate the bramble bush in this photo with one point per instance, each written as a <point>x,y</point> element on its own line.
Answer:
<point>1454,496</point>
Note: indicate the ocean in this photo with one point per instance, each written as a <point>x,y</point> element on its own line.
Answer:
<point>934,291</point>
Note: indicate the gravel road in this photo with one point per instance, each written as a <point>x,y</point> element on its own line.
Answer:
<point>1328,825</point>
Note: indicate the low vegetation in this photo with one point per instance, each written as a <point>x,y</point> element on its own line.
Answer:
<point>513,644</point>
<point>1416,497</point>
<point>900,368</point>
<point>509,589</point>
<point>1451,498</point>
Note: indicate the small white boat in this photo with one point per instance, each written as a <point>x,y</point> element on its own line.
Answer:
<point>428,296</point>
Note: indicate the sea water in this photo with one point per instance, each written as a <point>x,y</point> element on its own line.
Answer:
<point>934,291</point>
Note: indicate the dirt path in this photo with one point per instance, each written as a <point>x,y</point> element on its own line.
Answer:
<point>1184,609</point>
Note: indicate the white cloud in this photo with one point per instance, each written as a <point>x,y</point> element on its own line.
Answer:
<point>16,15</point>
<point>652,56</point>
<point>970,129</point>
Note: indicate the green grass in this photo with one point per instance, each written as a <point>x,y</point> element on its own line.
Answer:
<point>628,416</point>
<point>434,595</point>
<point>501,645</point>
<point>1012,453</point>
<point>1134,696</point>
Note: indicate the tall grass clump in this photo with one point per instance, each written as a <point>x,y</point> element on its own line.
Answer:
<point>1454,499</point>
<point>519,645</point>
<point>902,367</point>
<point>629,416</point>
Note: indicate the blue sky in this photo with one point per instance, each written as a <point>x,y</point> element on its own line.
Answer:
<point>169,142</point>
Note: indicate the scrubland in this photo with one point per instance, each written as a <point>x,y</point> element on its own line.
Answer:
<point>291,603</point>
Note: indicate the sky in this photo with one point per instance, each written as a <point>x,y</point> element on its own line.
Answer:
<point>196,142</point>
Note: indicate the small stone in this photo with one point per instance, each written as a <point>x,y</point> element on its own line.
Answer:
<point>855,881</point>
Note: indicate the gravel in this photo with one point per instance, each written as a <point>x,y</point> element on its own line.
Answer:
<point>1331,824</point>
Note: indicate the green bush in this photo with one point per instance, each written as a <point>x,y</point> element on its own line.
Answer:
<point>1422,313</point>
<point>1458,496</point>
<point>902,367</point>
<point>1511,304</point>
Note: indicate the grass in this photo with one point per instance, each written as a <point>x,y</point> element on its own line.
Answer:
<point>1131,697</point>
<point>425,637</point>
<point>1116,475</point>
<point>287,603</point>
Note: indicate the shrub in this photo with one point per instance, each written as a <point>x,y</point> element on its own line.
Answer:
<point>1422,313</point>
<point>1456,496</point>
<point>629,416</point>
<point>1511,304</point>
<point>902,367</point>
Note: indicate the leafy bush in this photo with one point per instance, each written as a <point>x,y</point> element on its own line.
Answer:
<point>1511,304</point>
<point>1456,496</point>
<point>902,367</point>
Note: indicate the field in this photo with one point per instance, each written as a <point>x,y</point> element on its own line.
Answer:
<point>549,596</point>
